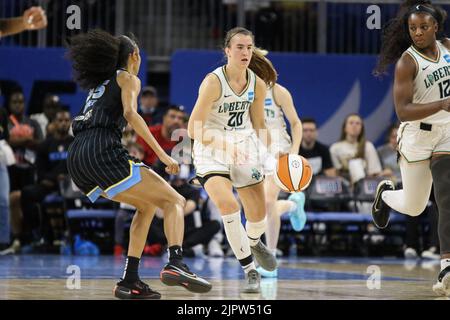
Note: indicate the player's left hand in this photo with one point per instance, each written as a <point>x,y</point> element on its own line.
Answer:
<point>34,18</point>
<point>172,166</point>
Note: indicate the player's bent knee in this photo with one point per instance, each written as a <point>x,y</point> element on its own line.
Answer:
<point>178,200</point>
<point>416,210</point>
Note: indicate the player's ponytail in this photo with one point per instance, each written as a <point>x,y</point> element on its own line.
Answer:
<point>259,64</point>
<point>96,55</point>
<point>263,67</point>
<point>395,38</point>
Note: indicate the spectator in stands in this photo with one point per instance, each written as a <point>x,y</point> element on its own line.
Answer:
<point>45,119</point>
<point>150,109</point>
<point>353,156</point>
<point>24,137</point>
<point>388,155</point>
<point>51,169</point>
<point>33,18</point>
<point>172,120</point>
<point>317,154</point>
<point>4,178</point>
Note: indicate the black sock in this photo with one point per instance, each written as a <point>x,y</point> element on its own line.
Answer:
<point>130,274</point>
<point>175,254</point>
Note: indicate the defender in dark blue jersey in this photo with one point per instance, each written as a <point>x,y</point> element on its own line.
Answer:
<point>100,166</point>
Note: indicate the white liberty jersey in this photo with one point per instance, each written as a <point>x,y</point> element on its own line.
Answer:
<point>274,115</point>
<point>231,112</point>
<point>432,81</point>
<point>276,124</point>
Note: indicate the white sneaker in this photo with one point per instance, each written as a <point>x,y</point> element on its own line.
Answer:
<point>442,285</point>
<point>410,253</point>
<point>431,254</point>
<point>214,249</point>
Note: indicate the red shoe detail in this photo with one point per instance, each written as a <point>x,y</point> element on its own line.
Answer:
<point>118,250</point>
<point>170,272</point>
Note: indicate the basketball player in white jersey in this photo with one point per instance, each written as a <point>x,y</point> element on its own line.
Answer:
<point>225,124</point>
<point>421,96</point>
<point>277,105</point>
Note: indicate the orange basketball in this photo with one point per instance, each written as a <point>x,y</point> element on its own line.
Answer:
<point>294,173</point>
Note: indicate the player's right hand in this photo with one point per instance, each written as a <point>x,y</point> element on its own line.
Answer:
<point>34,18</point>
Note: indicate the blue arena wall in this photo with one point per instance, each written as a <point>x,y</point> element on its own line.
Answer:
<point>326,87</point>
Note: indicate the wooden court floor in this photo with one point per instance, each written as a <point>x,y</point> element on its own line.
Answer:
<point>53,277</point>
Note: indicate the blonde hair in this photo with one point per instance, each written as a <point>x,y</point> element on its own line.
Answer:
<point>259,64</point>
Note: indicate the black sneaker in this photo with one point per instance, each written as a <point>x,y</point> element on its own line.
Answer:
<point>178,274</point>
<point>134,290</point>
<point>380,210</point>
<point>442,286</point>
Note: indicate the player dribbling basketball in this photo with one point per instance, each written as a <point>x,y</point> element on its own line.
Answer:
<point>231,105</point>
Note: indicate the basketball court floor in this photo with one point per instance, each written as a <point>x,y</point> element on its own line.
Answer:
<point>54,277</point>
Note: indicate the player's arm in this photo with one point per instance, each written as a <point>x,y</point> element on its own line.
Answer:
<point>405,71</point>
<point>33,18</point>
<point>284,99</point>
<point>130,87</point>
<point>208,93</point>
<point>257,112</point>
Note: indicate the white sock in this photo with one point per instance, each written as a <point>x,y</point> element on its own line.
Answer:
<point>248,267</point>
<point>255,231</point>
<point>445,263</point>
<point>237,238</point>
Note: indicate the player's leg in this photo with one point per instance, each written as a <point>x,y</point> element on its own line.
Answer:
<point>253,201</point>
<point>411,200</point>
<point>155,192</point>
<point>220,191</point>
<point>273,222</point>
<point>273,218</point>
<point>130,286</point>
<point>172,204</point>
<point>440,169</point>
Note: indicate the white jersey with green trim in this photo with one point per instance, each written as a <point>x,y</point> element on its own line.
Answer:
<point>274,117</point>
<point>432,81</point>
<point>231,112</point>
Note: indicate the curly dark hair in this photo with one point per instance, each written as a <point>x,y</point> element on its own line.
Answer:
<point>396,38</point>
<point>96,55</point>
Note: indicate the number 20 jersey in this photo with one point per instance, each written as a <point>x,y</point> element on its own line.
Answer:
<point>231,112</point>
<point>432,81</point>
